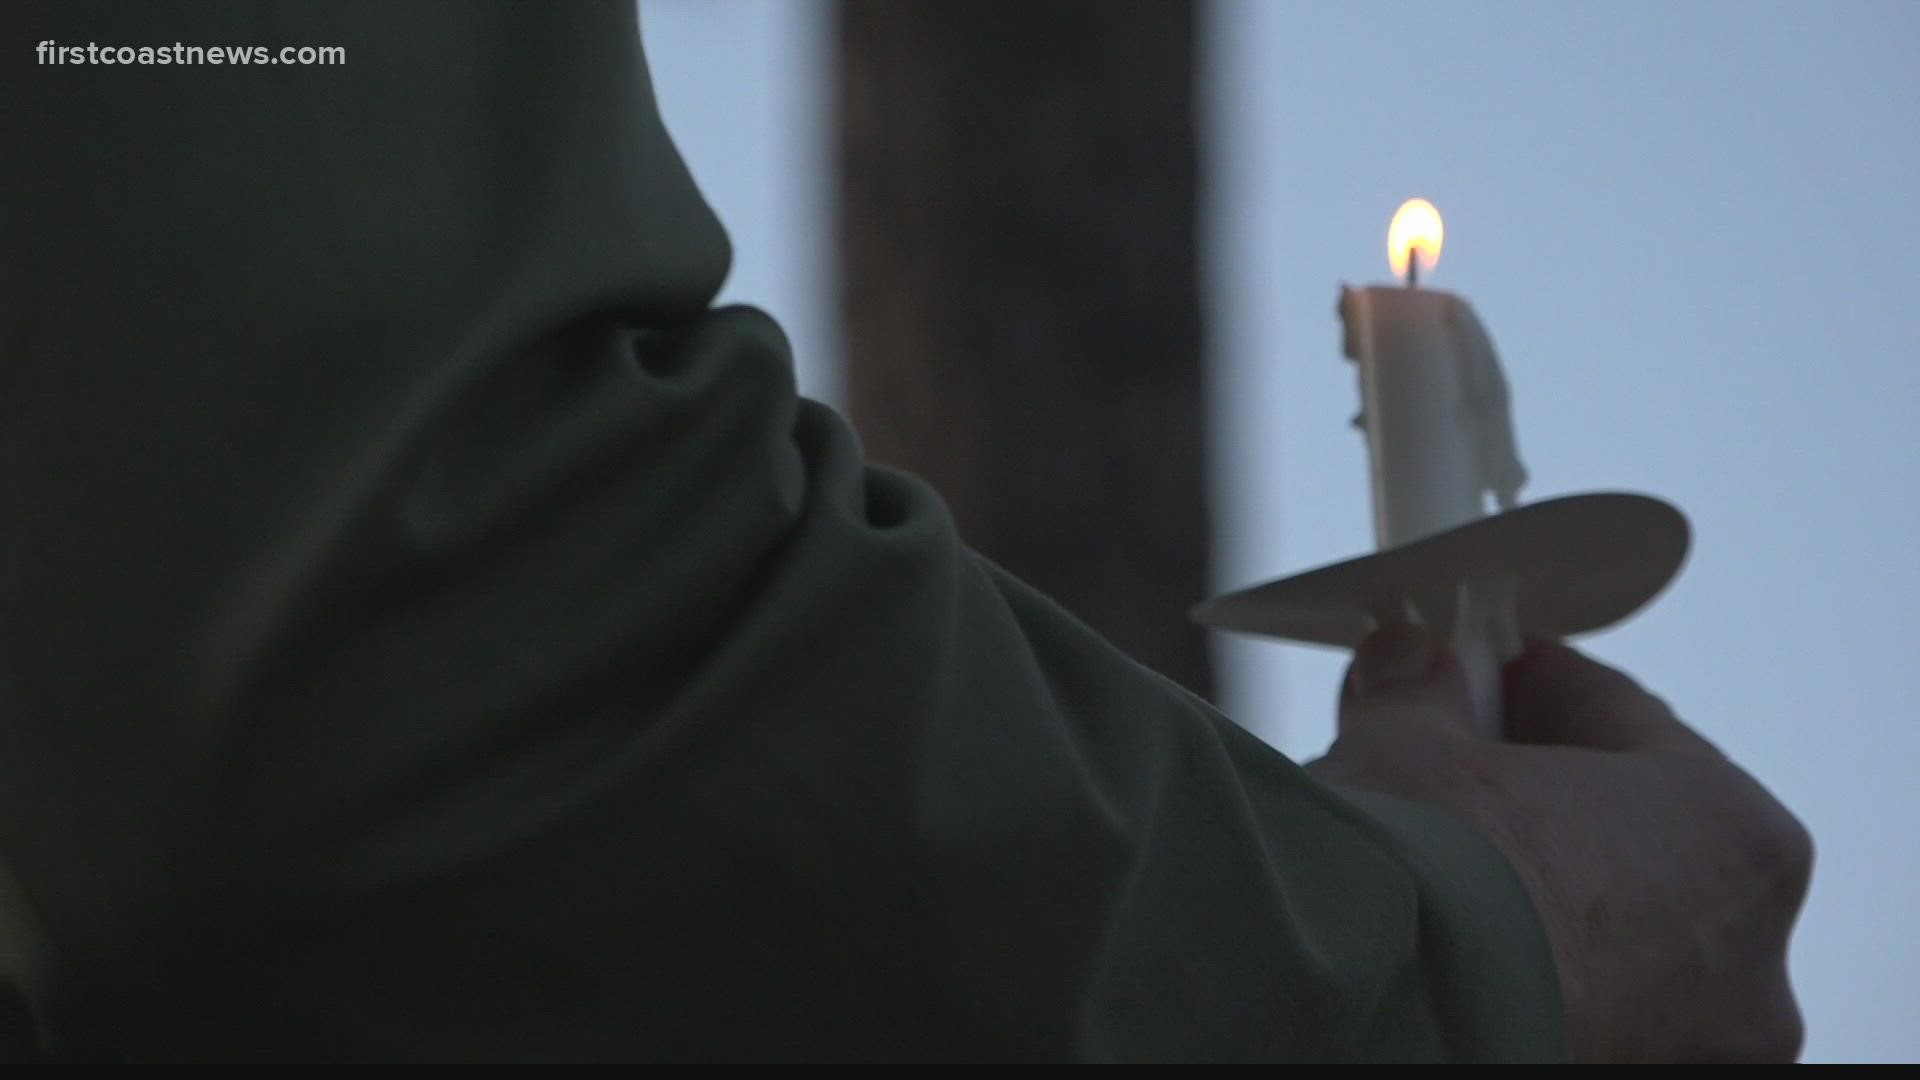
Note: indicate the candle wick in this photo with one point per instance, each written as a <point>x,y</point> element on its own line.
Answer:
<point>1413,268</point>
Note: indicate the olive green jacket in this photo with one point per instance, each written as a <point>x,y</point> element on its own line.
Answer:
<point>430,630</point>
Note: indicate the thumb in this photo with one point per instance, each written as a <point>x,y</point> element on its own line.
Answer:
<point>1402,674</point>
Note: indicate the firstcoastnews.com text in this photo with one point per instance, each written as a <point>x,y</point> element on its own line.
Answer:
<point>52,52</point>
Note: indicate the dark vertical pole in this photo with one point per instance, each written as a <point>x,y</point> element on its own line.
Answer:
<point>1018,204</point>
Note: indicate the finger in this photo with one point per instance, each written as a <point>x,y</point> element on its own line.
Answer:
<point>1403,675</point>
<point>1557,696</point>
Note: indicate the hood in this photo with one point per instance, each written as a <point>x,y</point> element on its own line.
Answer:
<point>249,312</point>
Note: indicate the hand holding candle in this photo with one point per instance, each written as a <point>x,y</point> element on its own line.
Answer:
<point>1439,434</point>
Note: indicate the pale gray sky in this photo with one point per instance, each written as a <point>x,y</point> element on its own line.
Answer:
<point>1691,230</point>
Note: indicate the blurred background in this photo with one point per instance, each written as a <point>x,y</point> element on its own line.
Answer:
<point>1076,263</point>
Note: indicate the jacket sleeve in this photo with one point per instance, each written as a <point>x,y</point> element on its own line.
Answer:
<point>432,632</point>
<point>741,754</point>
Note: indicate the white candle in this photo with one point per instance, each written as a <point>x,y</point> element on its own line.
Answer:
<point>1435,411</point>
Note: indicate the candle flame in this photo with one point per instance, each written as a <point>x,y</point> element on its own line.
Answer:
<point>1416,227</point>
